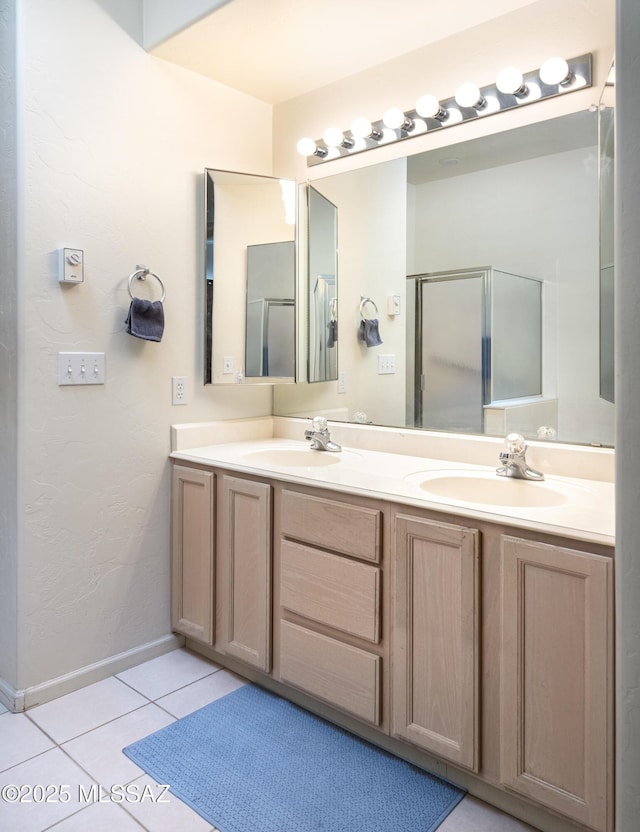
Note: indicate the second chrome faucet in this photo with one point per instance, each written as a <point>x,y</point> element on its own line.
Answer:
<point>320,437</point>
<point>514,463</point>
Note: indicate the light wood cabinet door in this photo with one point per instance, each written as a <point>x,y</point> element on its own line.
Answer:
<point>192,553</point>
<point>244,595</point>
<point>436,638</point>
<point>556,715</point>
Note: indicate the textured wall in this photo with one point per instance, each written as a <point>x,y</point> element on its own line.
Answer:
<point>115,143</point>
<point>8,345</point>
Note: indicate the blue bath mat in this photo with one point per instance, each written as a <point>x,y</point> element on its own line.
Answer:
<point>253,762</point>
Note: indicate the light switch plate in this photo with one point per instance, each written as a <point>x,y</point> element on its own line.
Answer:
<point>80,368</point>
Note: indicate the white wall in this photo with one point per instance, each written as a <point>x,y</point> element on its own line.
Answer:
<point>115,144</point>
<point>468,221</point>
<point>8,344</point>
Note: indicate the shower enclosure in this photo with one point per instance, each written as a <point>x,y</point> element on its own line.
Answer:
<point>475,337</point>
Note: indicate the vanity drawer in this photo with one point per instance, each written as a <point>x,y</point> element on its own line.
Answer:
<point>331,589</point>
<point>337,673</point>
<point>349,529</point>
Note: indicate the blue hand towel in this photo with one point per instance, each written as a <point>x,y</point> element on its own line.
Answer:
<point>145,319</point>
<point>332,326</point>
<point>369,332</point>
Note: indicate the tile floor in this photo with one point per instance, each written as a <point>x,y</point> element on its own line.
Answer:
<point>76,741</point>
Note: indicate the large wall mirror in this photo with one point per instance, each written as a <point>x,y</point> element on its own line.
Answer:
<point>250,279</point>
<point>522,204</point>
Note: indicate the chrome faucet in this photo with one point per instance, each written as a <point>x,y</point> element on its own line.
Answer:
<point>319,436</point>
<point>513,460</point>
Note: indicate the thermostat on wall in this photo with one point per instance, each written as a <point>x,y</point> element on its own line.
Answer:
<point>71,268</point>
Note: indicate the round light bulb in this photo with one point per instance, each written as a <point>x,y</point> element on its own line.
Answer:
<point>361,128</point>
<point>333,137</point>
<point>511,81</point>
<point>428,106</point>
<point>394,118</point>
<point>306,146</point>
<point>468,95</point>
<point>554,71</point>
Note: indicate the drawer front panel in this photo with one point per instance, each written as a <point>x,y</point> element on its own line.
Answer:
<point>337,673</point>
<point>331,589</point>
<point>348,529</point>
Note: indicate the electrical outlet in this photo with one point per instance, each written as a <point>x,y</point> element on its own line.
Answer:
<point>178,390</point>
<point>342,382</point>
<point>386,364</point>
<point>227,364</point>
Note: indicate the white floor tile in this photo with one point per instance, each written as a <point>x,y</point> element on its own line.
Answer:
<point>472,815</point>
<point>167,673</point>
<point>99,817</point>
<point>174,816</point>
<point>100,751</point>
<point>85,709</point>
<point>52,769</point>
<point>20,739</point>
<point>200,693</point>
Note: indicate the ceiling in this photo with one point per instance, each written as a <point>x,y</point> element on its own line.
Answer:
<point>275,50</point>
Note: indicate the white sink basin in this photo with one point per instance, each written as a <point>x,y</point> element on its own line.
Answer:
<point>484,488</point>
<point>295,458</point>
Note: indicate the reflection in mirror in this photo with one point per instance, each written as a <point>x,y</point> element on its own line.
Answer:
<point>524,201</point>
<point>270,317</point>
<point>606,144</point>
<point>322,287</point>
<point>250,279</point>
<point>477,341</point>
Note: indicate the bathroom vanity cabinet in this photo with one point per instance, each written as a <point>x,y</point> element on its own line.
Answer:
<point>484,648</point>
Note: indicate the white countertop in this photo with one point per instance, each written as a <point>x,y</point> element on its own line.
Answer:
<point>585,509</point>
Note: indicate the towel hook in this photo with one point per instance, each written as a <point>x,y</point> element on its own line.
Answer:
<point>141,273</point>
<point>363,303</point>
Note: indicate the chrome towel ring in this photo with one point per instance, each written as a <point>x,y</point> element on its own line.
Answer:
<point>141,273</point>
<point>363,303</point>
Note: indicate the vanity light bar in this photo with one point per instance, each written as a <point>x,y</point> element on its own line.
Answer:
<point>512,89</point>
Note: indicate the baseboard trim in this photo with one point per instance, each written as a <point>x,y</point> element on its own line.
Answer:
<point>22,700</point>
<point>10,697</point>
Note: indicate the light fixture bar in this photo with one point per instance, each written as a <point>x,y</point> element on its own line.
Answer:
<point>490,101</point>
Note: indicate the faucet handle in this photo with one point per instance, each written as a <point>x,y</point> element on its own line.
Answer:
<point>515,443</point>
<point>319,424</point>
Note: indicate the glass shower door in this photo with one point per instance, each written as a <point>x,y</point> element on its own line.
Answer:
<point>450,352</point>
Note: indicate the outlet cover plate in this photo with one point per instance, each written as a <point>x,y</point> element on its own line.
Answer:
<point>178,390</point>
